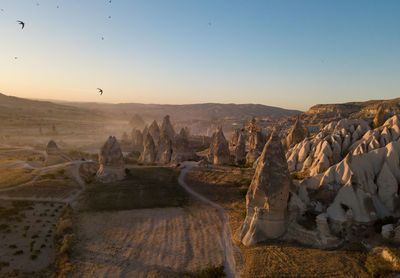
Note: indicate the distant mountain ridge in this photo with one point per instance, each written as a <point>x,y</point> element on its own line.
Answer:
<point>322,114</point>
<point>202,111</point>
<point>357,109</point>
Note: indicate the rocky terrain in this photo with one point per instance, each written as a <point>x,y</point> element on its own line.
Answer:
<point>284,190</point>
<point>321,114</point>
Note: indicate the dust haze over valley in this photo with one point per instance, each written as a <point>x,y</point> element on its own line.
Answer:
<point>199,139</point>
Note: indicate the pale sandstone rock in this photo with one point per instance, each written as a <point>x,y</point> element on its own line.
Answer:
<point>267,197</point>
<point>149,153</point>
<point>219,149</point>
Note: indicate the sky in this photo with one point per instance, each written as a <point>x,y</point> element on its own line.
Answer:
<point>291,54</point>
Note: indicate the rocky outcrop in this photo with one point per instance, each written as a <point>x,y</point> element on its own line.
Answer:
<point>167,128</point>
<point>54,155</point>
<point>296,134</point>
<point>267,197</point>
<point>379,117</point>
<point>255,142</point>
<point>137,139</point>
<point>164,148</point>
<point>240,150</point>
<point>111,161</point>
<point>154,131</point>
<point>182,150</point>
<point>364,185</point>
<point>235,136</point>
<point>328,147</point>
<point>149,153</point>
<point>219,149</point>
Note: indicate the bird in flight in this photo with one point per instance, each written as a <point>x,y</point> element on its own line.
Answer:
<point>100,91</point>
<point>22,24</point>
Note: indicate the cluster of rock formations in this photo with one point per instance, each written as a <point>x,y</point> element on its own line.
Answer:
<point>359,183</point>
<point>353,180</point>
<point>162,145</point>
<point>338,139</point>
<point>111,161</point>
<point>247,143</point>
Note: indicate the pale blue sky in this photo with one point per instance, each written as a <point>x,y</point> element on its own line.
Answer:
<point>292,54</point>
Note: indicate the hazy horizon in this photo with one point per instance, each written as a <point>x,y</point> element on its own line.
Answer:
<point>291,55</point>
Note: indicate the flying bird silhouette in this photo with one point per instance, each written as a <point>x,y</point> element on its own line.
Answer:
<point>22,24</point>
<point>100,91</point>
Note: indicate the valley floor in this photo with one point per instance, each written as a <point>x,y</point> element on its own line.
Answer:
<point>147,242</point>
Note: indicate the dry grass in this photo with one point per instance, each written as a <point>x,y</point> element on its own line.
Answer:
<point>15,176</point>
<point>144,187</point>
<point>284,260</point>
<point>44,188</point>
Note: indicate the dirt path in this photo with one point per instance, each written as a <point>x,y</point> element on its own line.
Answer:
<point>70,199</point>
<point>228,246</point>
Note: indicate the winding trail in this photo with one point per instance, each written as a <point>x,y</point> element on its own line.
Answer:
<point>229,259</point>
<point>70,199</point>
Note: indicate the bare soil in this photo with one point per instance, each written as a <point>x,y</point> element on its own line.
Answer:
<point>165,242</point>
<point>26,237</point>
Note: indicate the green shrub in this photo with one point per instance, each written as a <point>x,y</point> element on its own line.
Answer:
<point>12,246</point>
<point>61,171</point>
<point>381,222</point>
<point>33,257</point>
<point>377,266</point>
<point>48,176</point>
<point>32,244</point>
<point>243,192</point>
<point>246,181</point>
<point>19,252</point>
<point>4,227</point>
<point>4,264</point>
<point>235,183</point>
<point>67,243</point>
<point>212,272</point>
